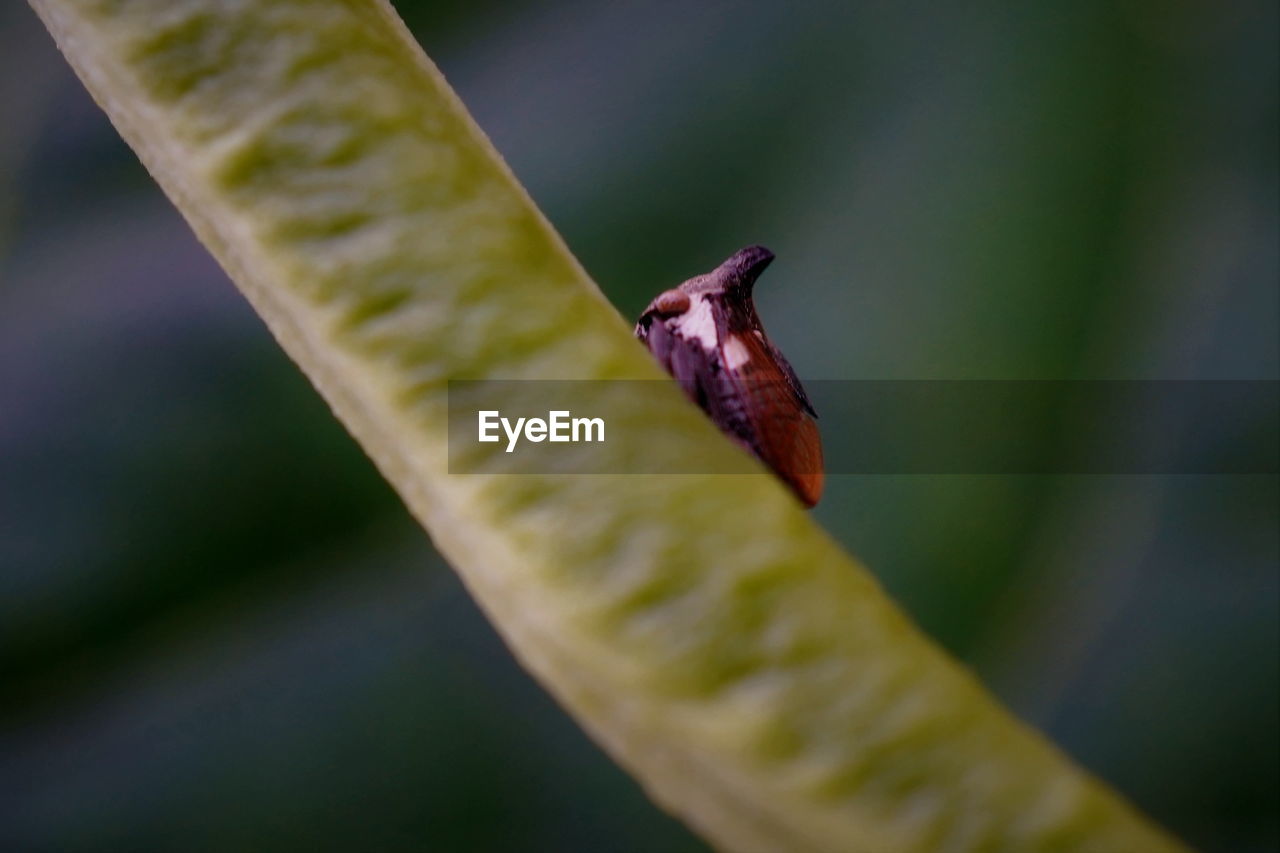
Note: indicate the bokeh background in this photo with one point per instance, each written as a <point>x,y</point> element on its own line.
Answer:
<point>219,630</point>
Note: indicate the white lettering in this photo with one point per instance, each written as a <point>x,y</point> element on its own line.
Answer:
<point>488,422</point>
<point>559,423</point>
<point>587,424</point>
<point>560,426</point>
<point>513,435</point>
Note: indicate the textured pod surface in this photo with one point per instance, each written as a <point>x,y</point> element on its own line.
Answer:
<point>703,628</point>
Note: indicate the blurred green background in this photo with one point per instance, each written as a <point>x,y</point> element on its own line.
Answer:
<point>219,630</point>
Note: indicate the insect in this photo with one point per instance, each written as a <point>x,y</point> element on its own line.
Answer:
<point>707,335</point>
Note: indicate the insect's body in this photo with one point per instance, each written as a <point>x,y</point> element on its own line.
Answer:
<point>707,335</point>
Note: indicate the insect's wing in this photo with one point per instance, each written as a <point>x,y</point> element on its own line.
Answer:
<point>792,380</point>
<point>779,417</point>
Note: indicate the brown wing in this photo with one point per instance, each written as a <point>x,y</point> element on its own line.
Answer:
<point>792,380</point>
<point>781,426</point>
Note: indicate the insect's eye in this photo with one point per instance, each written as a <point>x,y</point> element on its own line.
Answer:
<point>671,302</point>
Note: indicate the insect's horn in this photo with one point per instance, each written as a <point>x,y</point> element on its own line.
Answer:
<point>744,266</point>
